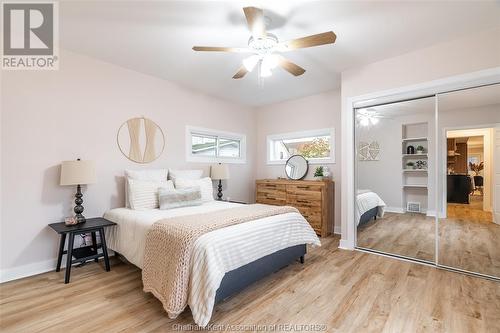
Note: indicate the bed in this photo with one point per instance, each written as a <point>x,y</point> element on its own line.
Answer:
<point>238,255</point>
<point>369,206</point>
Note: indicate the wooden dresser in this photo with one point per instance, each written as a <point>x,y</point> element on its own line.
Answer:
<point>314,199</point>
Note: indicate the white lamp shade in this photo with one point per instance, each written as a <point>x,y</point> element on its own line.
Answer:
<point>219,171</point>
<point>77,172</point>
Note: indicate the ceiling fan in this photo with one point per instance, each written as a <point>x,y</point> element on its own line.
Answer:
<point>266,47</point>
<point>369,116</point>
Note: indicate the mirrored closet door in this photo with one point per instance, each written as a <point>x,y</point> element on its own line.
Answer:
<point>395,180</point>
<point>469,180</point>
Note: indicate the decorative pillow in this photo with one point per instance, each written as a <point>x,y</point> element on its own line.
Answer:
<point>205,185</point>
<point>169,199</point>
<point>143,194</point>
<point>156,175</point>
<point>186,174</point>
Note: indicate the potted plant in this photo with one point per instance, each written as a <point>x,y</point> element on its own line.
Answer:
<point>410,165</point>
<point>318,173</point>
<point>476,167</point>
<point>420,149</point>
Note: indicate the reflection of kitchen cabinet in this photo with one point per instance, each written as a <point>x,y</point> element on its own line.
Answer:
<point>461,158</point>
<point>457,154</point>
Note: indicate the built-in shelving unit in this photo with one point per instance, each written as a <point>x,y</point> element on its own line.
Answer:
<point>414,186</point>
<point>423,138</point>
<point>415,165</point>
<point>415,155</point>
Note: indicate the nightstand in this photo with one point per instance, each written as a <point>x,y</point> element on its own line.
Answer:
<point>85,253</point>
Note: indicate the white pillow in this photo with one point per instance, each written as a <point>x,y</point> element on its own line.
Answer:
<point>179,197</point>
<point>205,185</point>
<point>149,175</point>
<point>186,174</point>
<point>143,194</point>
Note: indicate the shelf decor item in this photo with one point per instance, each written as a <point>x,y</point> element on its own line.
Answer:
<point>410,165</point>
<point>410,150</point>
<point>219,172</point>
<point>77,173</point>
<point>318,173</point>
<point>421,164</point>
<point>420,149</point>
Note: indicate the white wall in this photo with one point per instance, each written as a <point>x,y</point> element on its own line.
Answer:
<point>464,55</point>
<point>51,116</point>
<point>308,113</point>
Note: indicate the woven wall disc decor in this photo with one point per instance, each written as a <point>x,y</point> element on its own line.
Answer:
<point>141,140</point>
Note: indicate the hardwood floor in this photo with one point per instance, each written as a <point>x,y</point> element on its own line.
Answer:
<point>411,235</point>
<point>347,291</point>
<point>468,239</point>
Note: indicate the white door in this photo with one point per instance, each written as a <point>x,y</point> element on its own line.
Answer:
<point>496,176</point>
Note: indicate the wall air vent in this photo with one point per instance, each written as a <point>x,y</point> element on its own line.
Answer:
<point>413,207</point>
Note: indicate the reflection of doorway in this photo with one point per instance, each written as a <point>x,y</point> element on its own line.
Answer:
<point>465,185</point>
<point>467,230</point>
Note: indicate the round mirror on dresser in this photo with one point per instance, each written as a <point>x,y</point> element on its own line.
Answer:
<point>296,167</point>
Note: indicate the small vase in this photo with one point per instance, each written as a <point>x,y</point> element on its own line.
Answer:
<point>420,151</point>
<point>319,178</point>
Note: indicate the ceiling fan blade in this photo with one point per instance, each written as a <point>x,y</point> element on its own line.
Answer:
<point>240,73</point>
<point>290,66</point>
<point>309,41</point>
<point>255,21</point>
<point>221,49</point>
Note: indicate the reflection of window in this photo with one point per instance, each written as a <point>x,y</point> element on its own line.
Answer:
<point>316,146</point>
<point>206,145</point>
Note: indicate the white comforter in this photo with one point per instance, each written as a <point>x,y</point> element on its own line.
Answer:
<point>366,200</point>
<point>215,253</point>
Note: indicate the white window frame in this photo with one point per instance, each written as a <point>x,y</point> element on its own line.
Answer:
<point>298,135</point>
<point>190,130</point>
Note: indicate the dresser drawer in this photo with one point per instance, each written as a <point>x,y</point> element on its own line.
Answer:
<point>305,192</point>
<point>272,194</point>
<point>298,200</point>
<point>312,215</point>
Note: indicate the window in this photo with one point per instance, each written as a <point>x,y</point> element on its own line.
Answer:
<point>212,146</point>
<point>316,146</point>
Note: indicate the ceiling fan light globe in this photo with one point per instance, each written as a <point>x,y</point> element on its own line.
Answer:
<point>364,121</point>
<point>250,62</point>
<point>270,61</point>
<point>265,71</point>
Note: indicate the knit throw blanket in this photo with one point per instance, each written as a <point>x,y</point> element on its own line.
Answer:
<point>169,244</point>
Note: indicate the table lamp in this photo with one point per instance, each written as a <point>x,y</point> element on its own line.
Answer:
<point>219,172</point>
<point>78,173</point>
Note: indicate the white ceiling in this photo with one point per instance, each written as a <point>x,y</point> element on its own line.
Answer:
<point>155,37</point>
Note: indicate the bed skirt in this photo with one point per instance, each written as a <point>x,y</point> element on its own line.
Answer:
<point>240,278</point>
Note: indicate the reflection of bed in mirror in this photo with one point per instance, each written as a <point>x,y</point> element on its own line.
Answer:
<point>369,206</point>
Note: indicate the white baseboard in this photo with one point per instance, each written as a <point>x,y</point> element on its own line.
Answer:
<point>19,272</point>
<point>398,210</point>
<point>346,245</point>
<point>35,268</point>
<point>336,230</point>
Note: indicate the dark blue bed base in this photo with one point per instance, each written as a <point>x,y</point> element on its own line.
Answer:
<point>240,278</point>
<point>368,215</point>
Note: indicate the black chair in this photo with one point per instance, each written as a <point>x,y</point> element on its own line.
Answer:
<point>478,184</point>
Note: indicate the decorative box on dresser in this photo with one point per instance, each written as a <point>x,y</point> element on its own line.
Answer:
<point>314,199</point>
